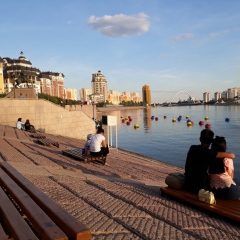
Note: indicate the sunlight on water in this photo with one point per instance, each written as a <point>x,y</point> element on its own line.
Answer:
<point>169,141</point>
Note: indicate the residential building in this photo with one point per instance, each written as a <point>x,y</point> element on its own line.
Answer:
<point>206,97</point>
<point>233,92</point>
<point>146,94</point>
<point>85,94</point>
<point>70,93</point>
<point>20,73</point>
<point>217,96</point>
<point>99,86</point>
<point>57,83</point>
<point>20,70</point>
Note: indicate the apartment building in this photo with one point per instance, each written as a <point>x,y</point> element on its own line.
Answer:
<point>70,93</point>
<point>217,95</point>
<point>99,87</point>
<point>206,97</point>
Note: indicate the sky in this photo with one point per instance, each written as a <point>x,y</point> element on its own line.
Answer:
<point>171,45</point>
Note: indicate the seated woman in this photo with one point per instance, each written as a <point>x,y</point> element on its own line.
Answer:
<point>98,146</point>
<point>29,127</point>
<point>19,124</point>
<point>221,173</point>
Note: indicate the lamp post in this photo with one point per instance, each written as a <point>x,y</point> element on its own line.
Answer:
<point>93,110</point>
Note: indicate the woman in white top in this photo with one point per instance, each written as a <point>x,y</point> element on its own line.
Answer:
<point>20,124</point>
<point>98,146</point>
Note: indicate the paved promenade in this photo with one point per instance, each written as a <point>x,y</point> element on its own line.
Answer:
<point>120,200</point>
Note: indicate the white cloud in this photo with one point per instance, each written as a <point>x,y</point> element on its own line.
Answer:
<point>120,25</point>
<point>182,37</point>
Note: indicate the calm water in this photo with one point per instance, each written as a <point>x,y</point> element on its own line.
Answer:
<point>169,142</point>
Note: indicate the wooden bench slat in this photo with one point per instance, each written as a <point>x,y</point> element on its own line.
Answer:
<point>16,225</point>
<point>40,220</point>
<point>48,142</point>
<point>3,235</point>
<point>226,208</point>
<point>73,228</point>
<point>77,153</point>
<point>37,135</point>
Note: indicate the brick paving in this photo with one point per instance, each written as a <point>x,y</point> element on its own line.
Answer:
<point>118,201</point>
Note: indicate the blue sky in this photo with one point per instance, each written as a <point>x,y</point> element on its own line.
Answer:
<point>170,45</point>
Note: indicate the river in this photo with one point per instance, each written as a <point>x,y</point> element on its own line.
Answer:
<point>169,141</point>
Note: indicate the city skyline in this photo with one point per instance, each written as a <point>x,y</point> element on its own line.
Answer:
<point>172,46</point>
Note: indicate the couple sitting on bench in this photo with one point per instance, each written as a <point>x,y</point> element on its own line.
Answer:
<point>96,144</point>
<point>211,169</point>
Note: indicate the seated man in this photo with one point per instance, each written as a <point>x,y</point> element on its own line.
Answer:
<point>197,163</point>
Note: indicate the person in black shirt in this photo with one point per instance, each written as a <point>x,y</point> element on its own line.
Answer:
<point>197,162</point>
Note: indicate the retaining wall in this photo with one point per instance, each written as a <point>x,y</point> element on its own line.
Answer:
<point>47,117</point>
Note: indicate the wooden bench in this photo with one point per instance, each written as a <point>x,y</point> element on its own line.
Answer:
<point>77,154</point>
<point>227,208</point>
<point>28,213</point>
<point>48,142</point>
<point>38,136</point>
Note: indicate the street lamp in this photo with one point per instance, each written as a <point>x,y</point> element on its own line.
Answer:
<point>93,110</point>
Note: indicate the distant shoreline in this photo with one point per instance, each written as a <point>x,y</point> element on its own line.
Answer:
<point>105,109</point>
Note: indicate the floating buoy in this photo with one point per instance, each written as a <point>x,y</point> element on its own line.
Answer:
<point>156,118</point>
<point>152,117</point>
<point>121,116</point>
<point>123,120</point>
<point>130,119</point>
<point>227,119</point>
<point>206,118</point>
<point>208,125</point>
<point>126,118</point>
<point>187,117</point>
<point>165,117</point>
<point>136,125</point>
<point>189,120</point>
<point>179,119</point>
<point>189,123</point>
<point>128,123</point>
<point>180,116</point>
<point>174,120</point>
<point>201,123</point>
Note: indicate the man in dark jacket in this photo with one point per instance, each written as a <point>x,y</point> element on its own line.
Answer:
<point>197,162</point>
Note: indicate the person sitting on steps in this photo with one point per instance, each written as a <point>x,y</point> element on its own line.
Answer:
<point>98,146</point>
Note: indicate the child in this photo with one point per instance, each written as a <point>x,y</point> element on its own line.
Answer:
<point>86,149</point>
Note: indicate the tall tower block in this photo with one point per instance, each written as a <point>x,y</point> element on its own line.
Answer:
<point>146,94</point>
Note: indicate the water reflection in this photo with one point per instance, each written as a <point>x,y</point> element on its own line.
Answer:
<point>147,121</point>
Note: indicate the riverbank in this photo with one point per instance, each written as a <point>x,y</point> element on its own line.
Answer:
<point>118,108</point>
<point>118,201</point>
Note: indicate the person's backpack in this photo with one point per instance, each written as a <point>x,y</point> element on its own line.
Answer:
<point>175,180</point>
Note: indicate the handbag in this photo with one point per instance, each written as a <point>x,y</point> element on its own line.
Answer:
<point>206,196</point>
<point>175,180</point>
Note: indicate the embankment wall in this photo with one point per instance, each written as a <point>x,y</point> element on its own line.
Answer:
<point>47,117</point>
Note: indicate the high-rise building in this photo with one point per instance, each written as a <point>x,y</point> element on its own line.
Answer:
<point>99,86</point>
<point>146,94</point>
<point>206,97</point>
<point>217,95</point>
